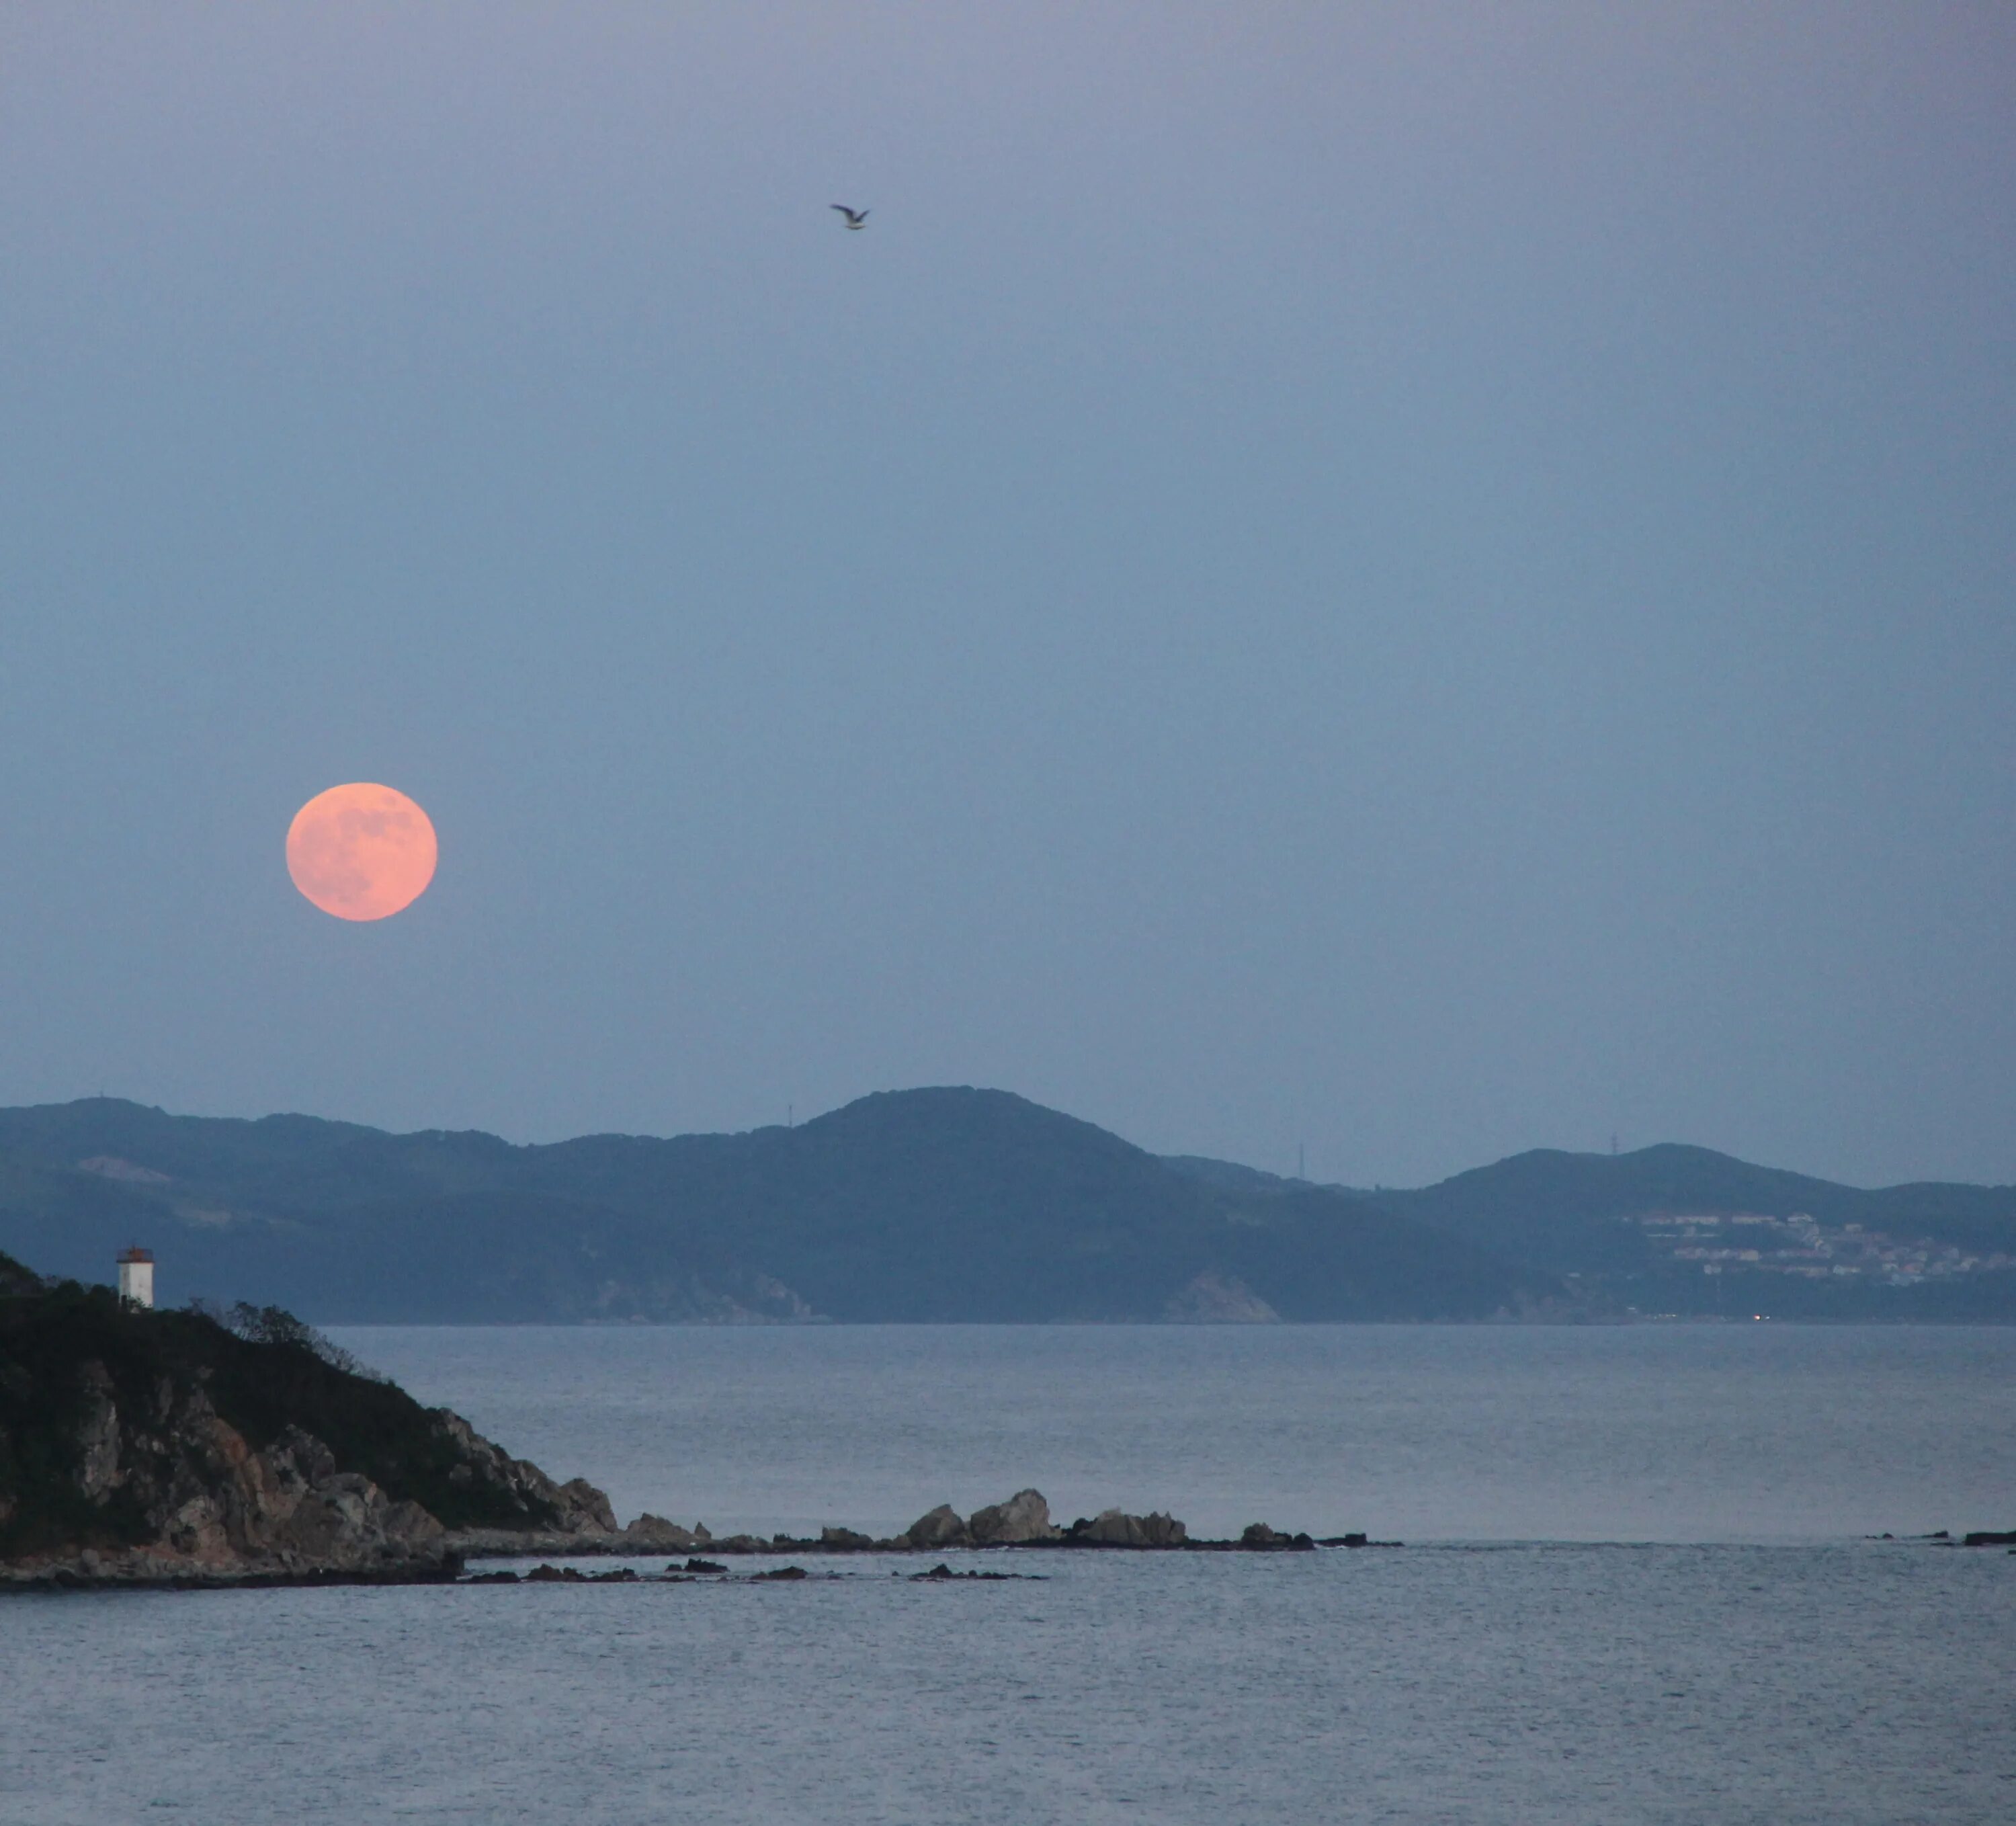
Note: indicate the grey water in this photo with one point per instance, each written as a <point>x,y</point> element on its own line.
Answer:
<point>1697,1433</point>
<point>1758,1660</point>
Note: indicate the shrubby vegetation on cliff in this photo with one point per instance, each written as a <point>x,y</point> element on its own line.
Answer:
<point>226,1444</point>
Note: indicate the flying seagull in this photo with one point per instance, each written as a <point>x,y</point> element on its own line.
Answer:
<point>856,219</point>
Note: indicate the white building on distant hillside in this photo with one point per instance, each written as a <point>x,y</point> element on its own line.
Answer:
<point>136,1276</point>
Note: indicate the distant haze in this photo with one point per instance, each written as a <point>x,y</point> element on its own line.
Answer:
<point>1412,581</point>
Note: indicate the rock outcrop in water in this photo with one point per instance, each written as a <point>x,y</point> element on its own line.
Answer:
<point>1021,1521</point>
<point>1025,1516</point>
<point>941,1527</point>
<point>1114,1528</point>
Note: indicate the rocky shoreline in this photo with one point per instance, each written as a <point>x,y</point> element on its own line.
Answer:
<point>1021,1521</point>
<point>195,1449</point>
<point>292,1528</point>
<point>215,1512</point>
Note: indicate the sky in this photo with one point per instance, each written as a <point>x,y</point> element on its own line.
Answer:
<point>1403,582</point>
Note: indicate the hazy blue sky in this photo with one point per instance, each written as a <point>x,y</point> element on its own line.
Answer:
<point>1423,579</point>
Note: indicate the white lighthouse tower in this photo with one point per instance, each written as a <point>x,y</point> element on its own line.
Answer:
<point>136,1276</point>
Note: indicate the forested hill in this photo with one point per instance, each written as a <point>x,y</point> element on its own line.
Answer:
<point>956,1204</point>
<point>1689,1231</point>
<point>940,1204</point>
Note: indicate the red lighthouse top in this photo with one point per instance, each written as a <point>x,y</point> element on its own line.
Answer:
<point>136,1255</point>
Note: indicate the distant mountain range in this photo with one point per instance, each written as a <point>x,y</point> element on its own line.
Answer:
<point>956,1205</point>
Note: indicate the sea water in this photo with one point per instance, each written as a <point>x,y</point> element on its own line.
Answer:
<point>1760,1433</point>
<point>1758,1662</point>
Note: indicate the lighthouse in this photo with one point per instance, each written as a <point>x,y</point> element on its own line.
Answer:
<point>136,1276</point>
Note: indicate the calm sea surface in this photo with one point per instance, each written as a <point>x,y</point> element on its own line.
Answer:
<point>1758,1433</point>
<point>1759,1663</point>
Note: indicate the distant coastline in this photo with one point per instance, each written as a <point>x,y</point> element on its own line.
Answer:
<point>954,1205</point>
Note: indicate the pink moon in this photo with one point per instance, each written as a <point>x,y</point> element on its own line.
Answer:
<point>361,852</point>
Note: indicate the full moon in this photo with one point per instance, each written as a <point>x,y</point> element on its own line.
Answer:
<point>361,852</point>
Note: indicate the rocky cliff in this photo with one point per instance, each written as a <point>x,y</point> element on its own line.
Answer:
<point>169,1446</point>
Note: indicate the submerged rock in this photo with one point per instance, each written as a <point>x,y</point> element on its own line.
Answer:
<point>941,1573</point>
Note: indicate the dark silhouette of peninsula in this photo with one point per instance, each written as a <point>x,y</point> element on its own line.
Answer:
<point>199,1447</point>
<point>192,1447</point>
<point>956,1205</point>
